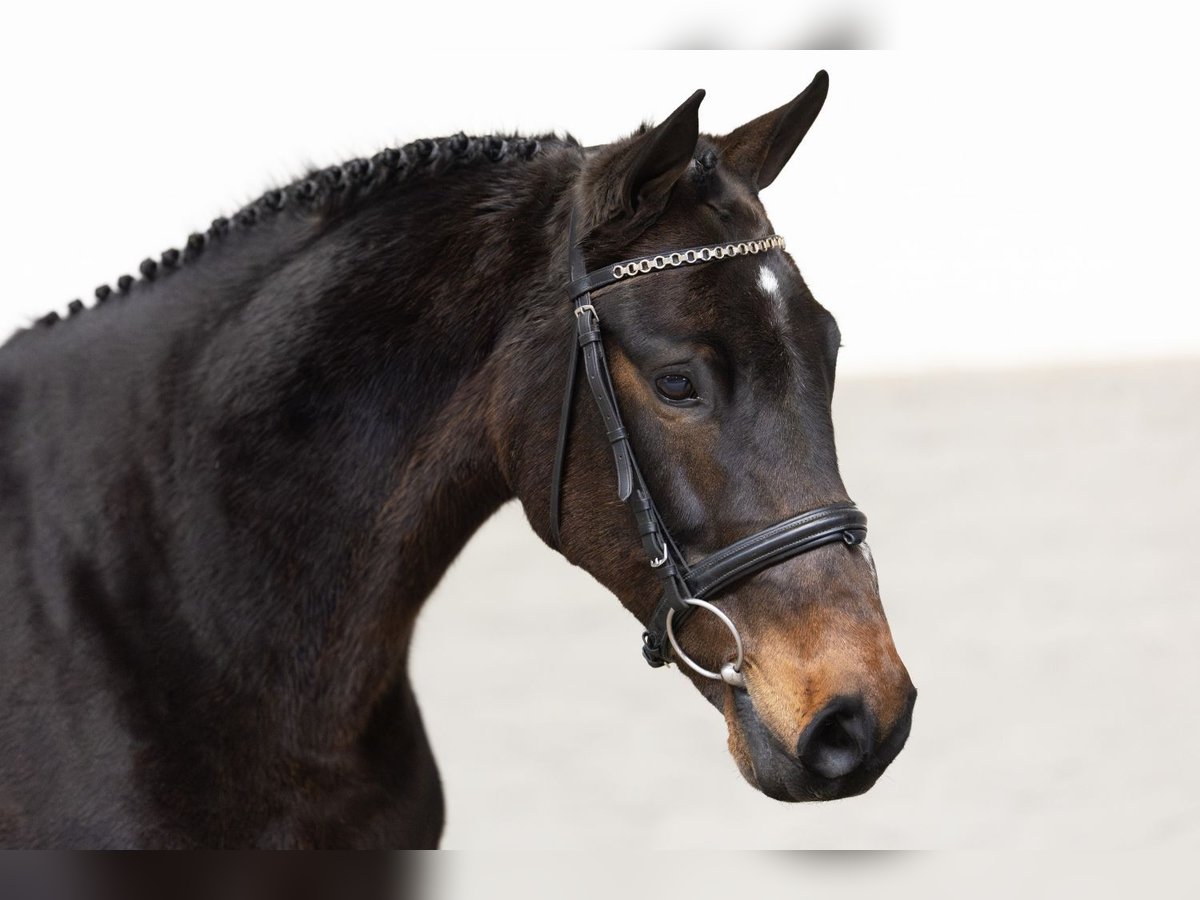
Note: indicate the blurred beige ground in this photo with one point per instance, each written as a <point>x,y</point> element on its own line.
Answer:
<point>1036,536</point>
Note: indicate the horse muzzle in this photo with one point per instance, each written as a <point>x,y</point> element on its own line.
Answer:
<point>840,752</point>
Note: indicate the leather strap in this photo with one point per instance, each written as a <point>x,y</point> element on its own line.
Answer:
<point>560,453</point>
<point>838,522</point>
<point>590,344</point>
<point>665,559</point>
<point>595,365</point>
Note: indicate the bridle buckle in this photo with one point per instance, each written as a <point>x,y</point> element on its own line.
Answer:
<point>652,651</point>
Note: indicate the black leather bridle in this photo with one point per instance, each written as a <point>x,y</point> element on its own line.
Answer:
<point>684,587</point>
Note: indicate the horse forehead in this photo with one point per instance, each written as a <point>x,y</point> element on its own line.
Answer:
<point>754,299</point>
<point>761,296</point>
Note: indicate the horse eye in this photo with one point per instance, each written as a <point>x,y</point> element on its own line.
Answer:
<point>675,387</point>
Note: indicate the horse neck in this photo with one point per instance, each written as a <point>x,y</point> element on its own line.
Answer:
<point>316,451</point>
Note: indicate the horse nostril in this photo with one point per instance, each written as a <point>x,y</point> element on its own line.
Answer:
<point>837,739</point>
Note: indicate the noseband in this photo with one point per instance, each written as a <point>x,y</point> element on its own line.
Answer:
<point>685,588</point>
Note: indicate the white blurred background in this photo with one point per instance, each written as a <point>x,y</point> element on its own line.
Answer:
<point>953,209</point>
<point>1006,233</point>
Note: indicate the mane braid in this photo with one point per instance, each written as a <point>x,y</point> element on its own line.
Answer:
<point>339,187</point>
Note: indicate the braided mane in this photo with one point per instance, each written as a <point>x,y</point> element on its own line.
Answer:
<point>335,188</point>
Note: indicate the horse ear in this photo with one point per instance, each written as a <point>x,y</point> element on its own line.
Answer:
<point>639,178</point>
<point>761,148</point>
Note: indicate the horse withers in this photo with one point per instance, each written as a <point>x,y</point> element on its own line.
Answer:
<point>227,487</point>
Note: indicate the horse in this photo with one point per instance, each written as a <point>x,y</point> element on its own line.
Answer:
<point>229,484</point>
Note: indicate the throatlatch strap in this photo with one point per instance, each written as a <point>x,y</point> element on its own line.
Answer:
<point>560,453</point>
<point>577,268</point>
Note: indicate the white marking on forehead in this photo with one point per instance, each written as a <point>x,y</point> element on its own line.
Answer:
<point>768,283</point>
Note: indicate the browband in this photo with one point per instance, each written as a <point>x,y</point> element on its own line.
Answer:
<point>644,265</point>
<point>684,587</point>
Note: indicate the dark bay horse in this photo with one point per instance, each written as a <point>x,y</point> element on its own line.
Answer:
<point>227,488</point>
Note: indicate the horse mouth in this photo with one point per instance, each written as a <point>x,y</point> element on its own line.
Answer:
<point>781,773</point>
